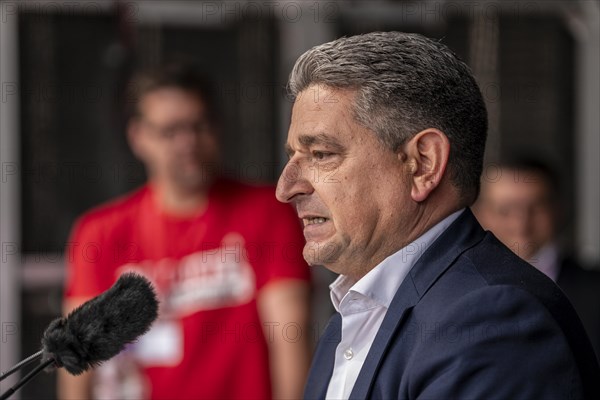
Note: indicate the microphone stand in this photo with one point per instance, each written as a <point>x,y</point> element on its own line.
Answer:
<point>20,365</point>
<point>27,377</point>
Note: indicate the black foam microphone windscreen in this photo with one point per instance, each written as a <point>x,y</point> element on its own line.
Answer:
<point>101,328</point>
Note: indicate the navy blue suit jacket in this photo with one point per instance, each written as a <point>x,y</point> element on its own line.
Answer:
<point>470,321</point>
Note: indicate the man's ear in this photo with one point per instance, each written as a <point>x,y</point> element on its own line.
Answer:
<point>426,155</point>
<point>134,138</point>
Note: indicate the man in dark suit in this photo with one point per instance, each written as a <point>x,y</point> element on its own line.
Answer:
<point>385,150</point>
<point>520,202</point>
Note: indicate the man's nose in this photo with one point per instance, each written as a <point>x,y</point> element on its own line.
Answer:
<point>186,138</point>
<point>292,182</point>
<point>521,221</point>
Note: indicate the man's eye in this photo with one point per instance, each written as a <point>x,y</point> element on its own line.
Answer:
<point>320,155</point>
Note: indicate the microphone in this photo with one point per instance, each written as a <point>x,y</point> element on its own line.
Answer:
<point>96,331</point>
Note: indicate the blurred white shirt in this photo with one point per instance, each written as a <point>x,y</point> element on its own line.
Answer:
<point>546,260</point>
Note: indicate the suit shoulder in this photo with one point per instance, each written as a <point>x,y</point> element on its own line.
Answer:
<point>491,332</point>
<point>498,265</point>
<point>512,286</point>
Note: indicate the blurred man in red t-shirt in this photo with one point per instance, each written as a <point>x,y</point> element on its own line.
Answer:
<point>225,258</point>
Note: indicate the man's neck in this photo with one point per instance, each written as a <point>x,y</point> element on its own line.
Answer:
<point>180,201</point>
<point>424,216</point>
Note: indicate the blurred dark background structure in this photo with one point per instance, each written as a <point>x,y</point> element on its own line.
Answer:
<point>64,65</point>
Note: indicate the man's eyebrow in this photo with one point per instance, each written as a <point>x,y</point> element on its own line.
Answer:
<point>322,139</point>
<point>317,139</point>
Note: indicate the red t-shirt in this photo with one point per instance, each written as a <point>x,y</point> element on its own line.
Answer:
<point>208,341</point>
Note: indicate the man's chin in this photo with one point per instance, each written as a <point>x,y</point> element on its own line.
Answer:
<point>196,180</point>
<point>321,253</point>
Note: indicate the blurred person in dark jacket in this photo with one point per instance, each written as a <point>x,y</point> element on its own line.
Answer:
<point>520,203</point>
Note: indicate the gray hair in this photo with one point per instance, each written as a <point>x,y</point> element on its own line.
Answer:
<point>405,83</point>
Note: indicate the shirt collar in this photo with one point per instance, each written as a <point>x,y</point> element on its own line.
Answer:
<point>378,286</point>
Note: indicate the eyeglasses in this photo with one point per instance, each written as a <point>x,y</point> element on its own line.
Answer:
<point>520,209</point>
<point>170,131</point>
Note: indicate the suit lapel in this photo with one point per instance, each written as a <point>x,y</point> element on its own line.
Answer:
<point>324,359</point>
<point>404,300</point>
<point>464,233</point>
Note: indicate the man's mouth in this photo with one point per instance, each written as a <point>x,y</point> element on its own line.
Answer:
<point>314,220</point>
<point>308,220</point>
<point>316,227</point>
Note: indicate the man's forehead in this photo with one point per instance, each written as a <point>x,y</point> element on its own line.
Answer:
<point>508,186</point>
<point>513,177</point>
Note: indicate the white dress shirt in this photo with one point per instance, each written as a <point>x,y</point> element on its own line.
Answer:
<point>363,305</point>
<point>546,260</point>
